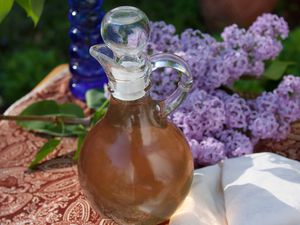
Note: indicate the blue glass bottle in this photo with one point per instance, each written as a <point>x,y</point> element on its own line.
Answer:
<point>85,17</point>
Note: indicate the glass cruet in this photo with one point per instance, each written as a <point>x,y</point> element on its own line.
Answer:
<point>135,166</point>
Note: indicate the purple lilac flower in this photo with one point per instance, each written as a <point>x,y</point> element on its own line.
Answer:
<point>260,41</point>
<point>266,48</point>
<point>198,61</point>
<point>210,108</point>
<point>255,68</point>
<point>289,87</point>
<point>288,93</point>
<point>290,110</point>
<point>195,39</point>
<point>194,126</point>
<point>164,82</point>
<point>283,130</point>
<point>221,94</point>
<point>178,118</point>
<point>236,143</point>
<point>236,62</point>
<point>216,63</point>
<point>237,112</point>
<point>270,25</point>
<point>214,122</point>
<point>264,126</point>
<point>232,36</point>
<point>267,102</point>
<point>202,114</point>
<point>257,47</point>
<point>163,38</point>
<point>217,75</point>
<point>208,151</point>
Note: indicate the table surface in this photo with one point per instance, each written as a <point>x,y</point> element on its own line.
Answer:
<point>51,194</point>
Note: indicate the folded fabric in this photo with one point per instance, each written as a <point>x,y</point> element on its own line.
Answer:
<point>257,189</point>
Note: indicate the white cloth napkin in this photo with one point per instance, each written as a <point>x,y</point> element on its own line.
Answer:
<point>257,189</point>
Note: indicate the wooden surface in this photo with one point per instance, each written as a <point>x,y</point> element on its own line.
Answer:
<point>54,73</point>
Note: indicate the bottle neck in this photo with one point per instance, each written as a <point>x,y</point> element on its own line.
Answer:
<point>129,90</point>
<point>131,81</point>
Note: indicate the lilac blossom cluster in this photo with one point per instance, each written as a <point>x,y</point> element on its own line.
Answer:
<point>218,125</point>
<point>214,63</point>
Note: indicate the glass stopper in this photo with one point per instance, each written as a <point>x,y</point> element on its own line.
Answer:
<point>125,30</point>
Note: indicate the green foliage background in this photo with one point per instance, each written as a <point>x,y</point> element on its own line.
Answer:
<point>28,53</point>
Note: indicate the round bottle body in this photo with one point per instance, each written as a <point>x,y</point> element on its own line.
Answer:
<point>135,167</point>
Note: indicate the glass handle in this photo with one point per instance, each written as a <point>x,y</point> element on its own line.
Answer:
<point>184,85</point>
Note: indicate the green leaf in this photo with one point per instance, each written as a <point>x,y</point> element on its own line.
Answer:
<point>94,98</point>
<point>33,8</point>
<point>71,110</point>
<point>5,7</point>
<point>42,108</point>
<point>276,70</point>
<point>77,130</point>
<point>51,108</point>
<point>45,107</point>
<point>46,149</point>
<point>249,86</point>
<point>291,51</point>
<point>80,140</point>
<point>100,112</point>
